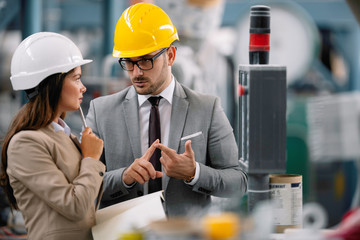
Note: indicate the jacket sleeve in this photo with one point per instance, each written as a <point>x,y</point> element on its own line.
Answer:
<point>31,162</point>
<point>114,187</point>
<point>222,175</point>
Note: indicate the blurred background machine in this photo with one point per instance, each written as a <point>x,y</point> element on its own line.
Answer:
<point>203,61</point>
<point>262,110</point>
<point>318,42</point>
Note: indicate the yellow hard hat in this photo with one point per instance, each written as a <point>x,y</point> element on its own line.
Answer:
<point>142,28</point>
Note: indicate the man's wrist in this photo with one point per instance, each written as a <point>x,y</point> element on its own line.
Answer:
<point>189,179</point>
<point>192,180</point>
<point>129,184</point>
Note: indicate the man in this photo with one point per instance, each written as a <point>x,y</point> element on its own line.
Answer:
<point>199,156</point>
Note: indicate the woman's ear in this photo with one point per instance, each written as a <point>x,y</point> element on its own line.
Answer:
<point>171,55</point>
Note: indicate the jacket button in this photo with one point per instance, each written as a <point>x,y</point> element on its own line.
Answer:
<point>101,174</point>
<point>140,193</point>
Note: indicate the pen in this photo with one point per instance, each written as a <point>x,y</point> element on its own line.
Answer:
<point>82,117</point>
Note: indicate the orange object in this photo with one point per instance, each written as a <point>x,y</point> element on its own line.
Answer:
<point>221,226</point>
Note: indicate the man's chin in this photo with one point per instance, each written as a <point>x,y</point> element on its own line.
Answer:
<point>141,91</point>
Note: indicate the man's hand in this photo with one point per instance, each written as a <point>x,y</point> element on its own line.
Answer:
<point>141,170</point>
<point>180,166</point>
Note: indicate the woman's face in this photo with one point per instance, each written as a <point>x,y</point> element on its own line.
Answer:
<point>72,91</point>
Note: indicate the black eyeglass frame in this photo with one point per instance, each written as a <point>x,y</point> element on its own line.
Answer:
<point>144,59</point>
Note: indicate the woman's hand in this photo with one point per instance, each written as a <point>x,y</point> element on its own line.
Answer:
<point>91,145</point>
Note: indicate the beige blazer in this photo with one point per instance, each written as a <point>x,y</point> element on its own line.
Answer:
<point>54,187</point>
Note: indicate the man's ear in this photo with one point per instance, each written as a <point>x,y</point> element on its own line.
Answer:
<point>171,55</point>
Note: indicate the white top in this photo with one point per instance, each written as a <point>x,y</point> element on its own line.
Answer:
<point>61,126</point>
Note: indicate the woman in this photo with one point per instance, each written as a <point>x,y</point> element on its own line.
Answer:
<point>52,179</point>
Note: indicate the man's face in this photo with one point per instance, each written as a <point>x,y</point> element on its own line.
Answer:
<point>152,81</point>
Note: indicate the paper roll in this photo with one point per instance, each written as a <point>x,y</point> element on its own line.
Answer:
<point>286,194</point>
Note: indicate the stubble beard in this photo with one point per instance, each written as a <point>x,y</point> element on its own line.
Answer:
<point>152,87</point>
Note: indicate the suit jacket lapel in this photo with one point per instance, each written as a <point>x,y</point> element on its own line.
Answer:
<point>177,122</point>
<point>75,141</point>
<point>131,118</point>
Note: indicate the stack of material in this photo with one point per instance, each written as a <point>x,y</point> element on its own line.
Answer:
<point>334,127</point>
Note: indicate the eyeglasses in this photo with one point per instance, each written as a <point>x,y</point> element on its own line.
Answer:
<point>143,64</point>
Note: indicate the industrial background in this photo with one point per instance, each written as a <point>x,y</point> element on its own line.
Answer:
<point>317,40</point>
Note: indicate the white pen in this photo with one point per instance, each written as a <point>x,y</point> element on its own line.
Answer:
<point>82,117</point>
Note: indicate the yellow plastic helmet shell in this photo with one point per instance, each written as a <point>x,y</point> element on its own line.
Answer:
<point>142,28</point>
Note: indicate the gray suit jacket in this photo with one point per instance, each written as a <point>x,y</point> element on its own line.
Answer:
<point>115,119</point>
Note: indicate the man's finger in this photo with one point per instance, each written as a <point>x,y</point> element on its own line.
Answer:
<point>170,152</point>
<point>158,174</point>
<point>137,177</point>
<point>150,150</point>
<point>188,148</point>
<point>149,168</point>
<point>163,158</point>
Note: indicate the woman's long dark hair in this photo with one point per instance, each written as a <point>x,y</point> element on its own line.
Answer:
<point>37,113</point>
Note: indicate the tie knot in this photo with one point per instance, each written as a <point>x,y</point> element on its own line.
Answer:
<point>154,100</point>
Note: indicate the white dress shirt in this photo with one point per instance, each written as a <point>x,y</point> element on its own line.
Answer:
<point>61,126</point>
<point>165,117</point>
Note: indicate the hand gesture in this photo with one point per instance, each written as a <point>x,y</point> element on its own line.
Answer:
<point>91,145</point>
<point>180,166</point>
<point>141,170</point>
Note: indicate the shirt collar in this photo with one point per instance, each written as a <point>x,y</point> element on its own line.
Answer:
<point>167,93</point>
<point>61,126</point>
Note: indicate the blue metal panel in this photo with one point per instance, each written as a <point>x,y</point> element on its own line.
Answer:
<point>81,14</point>
<point>332,13</point>
<point>8,10</point>
<point>113,10</point>
<point>32,17</point>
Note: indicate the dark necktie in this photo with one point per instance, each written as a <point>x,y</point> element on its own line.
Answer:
<point>155,133</point>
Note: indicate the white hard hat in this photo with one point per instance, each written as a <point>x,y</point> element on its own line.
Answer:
<point>41,55</point>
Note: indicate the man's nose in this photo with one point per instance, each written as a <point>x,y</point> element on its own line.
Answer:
<point>137,70</point>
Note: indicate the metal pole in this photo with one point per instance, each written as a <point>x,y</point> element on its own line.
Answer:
<point>258,185</point>
<point>31,22</point>
<point>31,17</point>
<point>112,12</point>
